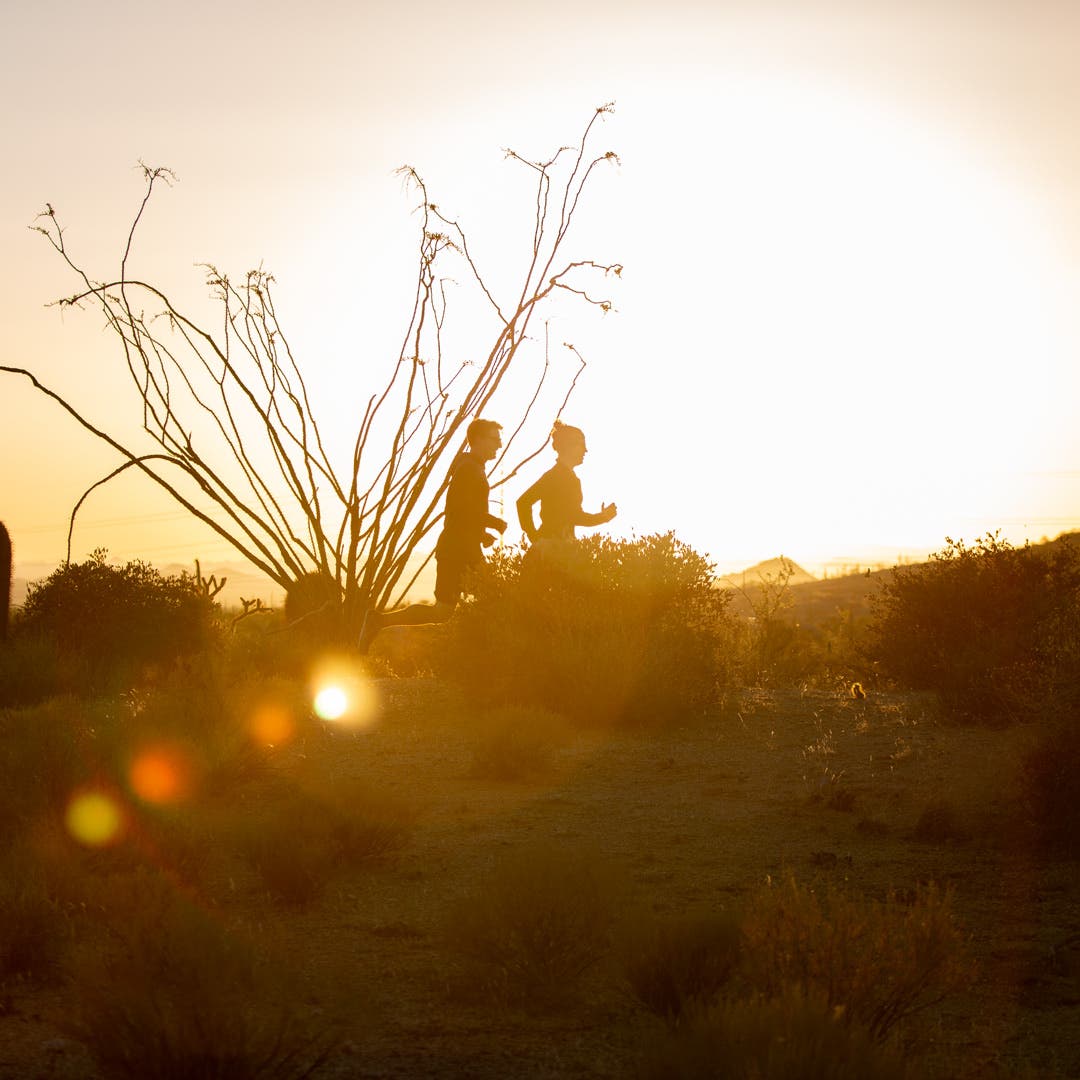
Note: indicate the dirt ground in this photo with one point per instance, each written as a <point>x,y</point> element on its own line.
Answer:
<point>812,784</point>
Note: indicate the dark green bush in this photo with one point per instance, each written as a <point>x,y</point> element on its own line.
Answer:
<point>1048,775</point>
<point>599,629</point>
<point>112,623</point>
<point>992,629</point>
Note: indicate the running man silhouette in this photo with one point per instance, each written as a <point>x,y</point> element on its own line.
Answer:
<point>464,535</point>
<point>558,492</point>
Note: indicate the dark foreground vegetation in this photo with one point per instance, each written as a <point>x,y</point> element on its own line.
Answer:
<point>604,823</point>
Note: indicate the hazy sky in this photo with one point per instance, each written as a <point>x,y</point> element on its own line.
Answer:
<point>847,325</point>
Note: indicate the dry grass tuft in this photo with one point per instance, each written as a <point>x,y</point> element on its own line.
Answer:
<point>795,1036</point>
<point>878,960</point>
<point>180,997</point>
<point>537,923</point>
<point>516,743</point>
<point>678,965</point>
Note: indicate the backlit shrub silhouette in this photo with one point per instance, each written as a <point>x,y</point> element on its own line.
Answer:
<point>607,630</point>
<point>992,629</point>
<point>111,622</point>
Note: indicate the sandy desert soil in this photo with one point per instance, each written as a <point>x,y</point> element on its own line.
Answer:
<point>686,819</point>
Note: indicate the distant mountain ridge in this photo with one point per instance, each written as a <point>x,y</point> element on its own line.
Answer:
<point>769,570</point>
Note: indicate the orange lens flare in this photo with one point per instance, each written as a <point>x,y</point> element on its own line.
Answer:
<point>161,774</point>
<point>272,724</point>
<point>94,818</point>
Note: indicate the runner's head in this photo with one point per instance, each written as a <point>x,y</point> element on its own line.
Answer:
<point>485,438</point>
<point>568,442</point>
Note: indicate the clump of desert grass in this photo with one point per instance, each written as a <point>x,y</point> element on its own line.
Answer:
<point>299,843</point>
<point>794,1035</point>
<point>536,923</point>
<point>874,962</point>
<point>879,960</point>
<point>174,992</point>
<point>516,743</point>
<point>676,965</point>
<point>35,928</point>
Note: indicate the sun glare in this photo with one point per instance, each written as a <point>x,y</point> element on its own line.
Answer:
<point>342,693</point>
<point>94,818</point>
<point>331,703</point>
<point>879,327</point>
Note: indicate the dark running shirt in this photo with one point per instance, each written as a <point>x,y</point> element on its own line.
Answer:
<point>560,503</point>
<point>467,517</point>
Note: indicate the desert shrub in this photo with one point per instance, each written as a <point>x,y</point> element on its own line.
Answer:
<point>31,670</point>
<point>301,842</point>
<point>292,848</point>
<point>879,961</point>
<point>113,622</point>
<point>599,629</point>
<point>368,829</point>
<point>45,754</point>
<point>176,995</point>
<point>204,711</point>
<point>794,1036</point>
<point>537,922</point>
<point>1047,784</point>
<point>676,966</point>
<point>515,742</point>
<point>34,929</point>
<point>994,630</point>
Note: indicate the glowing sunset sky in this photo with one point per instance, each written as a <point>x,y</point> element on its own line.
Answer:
<point>848,324</point>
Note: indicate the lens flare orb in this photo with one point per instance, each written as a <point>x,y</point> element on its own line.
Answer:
<point>343,693</point>
<point>331,703</point>
<point>161,774</point>
<point>94,818</point>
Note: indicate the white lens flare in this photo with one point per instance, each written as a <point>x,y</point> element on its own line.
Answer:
<point>331,703</point>
<point>343,693</point>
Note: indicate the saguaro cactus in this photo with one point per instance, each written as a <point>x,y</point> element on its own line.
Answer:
<point>5,580</point>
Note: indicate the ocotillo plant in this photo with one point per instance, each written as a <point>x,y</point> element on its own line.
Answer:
<point>5,580</point>
<point>221,420</point>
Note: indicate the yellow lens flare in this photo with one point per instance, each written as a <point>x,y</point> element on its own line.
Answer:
<point>342,693</point>
<point>94,818</point>
<point>161,774</point>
